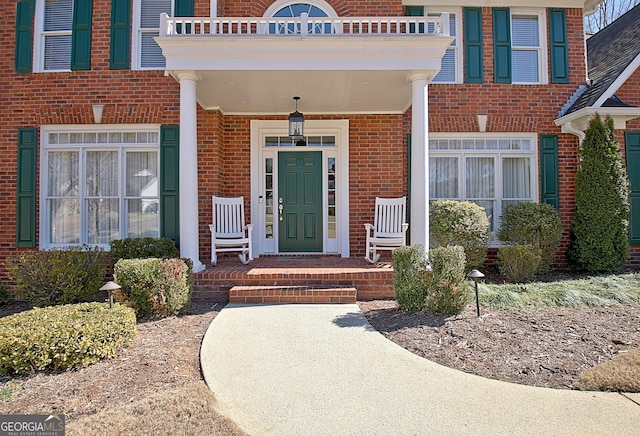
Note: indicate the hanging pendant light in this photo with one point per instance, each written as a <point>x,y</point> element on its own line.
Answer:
<point>296,124</point>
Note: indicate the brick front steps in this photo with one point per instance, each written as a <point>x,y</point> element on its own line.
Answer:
<point>311,272</point>
<point>291,294</point>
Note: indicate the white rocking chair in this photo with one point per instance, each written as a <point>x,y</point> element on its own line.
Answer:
<point>228,231</point>
<point>389,229</point>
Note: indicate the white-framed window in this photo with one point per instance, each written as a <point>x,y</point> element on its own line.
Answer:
<point>146,53</point>
<point>52,35</point>
<point>98,184</point>
<point>295,8</point>
<point>491,170</point>
<point>528,47</point>
<point>451,66</point>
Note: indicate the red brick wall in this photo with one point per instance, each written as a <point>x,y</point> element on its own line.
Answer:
<point>515,108</point>
<point>378,148</point>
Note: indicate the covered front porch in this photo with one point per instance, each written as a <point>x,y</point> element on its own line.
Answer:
<point>345,67</point>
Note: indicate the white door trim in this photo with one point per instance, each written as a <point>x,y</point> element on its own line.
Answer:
<point>263,128</point>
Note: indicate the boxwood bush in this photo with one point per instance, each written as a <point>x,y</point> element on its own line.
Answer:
<point>519,263</point>
<point>154,286</point>
<point>409,274</point>
<point>142,248</point>
<point>447,292</point>
<point>537,224</point>
<point>63,337</point>
<point>460,223</point>
<point>4,294</point>
<point>63,276</point>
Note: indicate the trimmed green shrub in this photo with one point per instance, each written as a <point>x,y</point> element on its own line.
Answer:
<point>63,337</point>
<point>519,262</point>
<point>4,294</point>
<point>63,276</point>
<point>460,223</point>
<point>446,290</point>
<point>156,287</point>
<point>599,240</point>
<point>409,271</point>
<point>142,248</point>
<point>537,224</point>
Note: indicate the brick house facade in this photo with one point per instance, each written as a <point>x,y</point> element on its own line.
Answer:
<point>171,137</point>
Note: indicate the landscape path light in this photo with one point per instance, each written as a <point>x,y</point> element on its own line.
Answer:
<point>110,287</point>
<point>475,275</point>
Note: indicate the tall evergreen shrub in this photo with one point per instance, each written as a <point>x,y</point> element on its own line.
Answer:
<point>599,226</point>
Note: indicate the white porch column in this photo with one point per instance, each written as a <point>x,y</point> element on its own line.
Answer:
<point>189,241</point>
<point>419,200</point>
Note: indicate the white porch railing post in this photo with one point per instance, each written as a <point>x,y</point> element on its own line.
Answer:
<point>163,24</point>
<point>304,29</point>
<point>189,237</point>
<point>445,25</point>
<point>419,224</point>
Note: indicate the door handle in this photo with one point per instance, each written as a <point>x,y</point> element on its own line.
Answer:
<point>280,207</point>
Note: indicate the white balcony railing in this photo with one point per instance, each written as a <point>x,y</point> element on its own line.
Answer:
<point>304,26</point>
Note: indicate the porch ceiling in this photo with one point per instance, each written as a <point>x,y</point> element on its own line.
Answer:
<point>260,75</point>
<point>321,92</point>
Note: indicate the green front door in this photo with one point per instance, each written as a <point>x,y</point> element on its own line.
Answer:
<point>300,201</point>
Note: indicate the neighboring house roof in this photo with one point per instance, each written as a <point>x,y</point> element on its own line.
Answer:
<point>610,52</point>
<point>613,54</point>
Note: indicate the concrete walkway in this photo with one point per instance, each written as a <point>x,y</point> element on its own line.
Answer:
<point>323,370</point>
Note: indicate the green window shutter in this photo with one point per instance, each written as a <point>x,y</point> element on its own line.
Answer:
<point>169,182</point>
<point>120,35</point>
<point>501,45</point>
<point>24,36</point>
<point>549,170</point>
<point>414,11</point>
<point>473,45</point>
<point>81,35</point>
<point>26,218</point>
<point>632,141</point>
<point>558,39</point>
<point>183,8</point>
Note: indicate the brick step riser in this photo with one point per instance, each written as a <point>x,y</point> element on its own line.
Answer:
<point>291,294</point>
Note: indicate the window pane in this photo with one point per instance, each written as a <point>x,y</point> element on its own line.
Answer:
<point>516,178</point>
<point>63,174</point>
<point>57,52</point>
<point>142,218</point>
<point>150,11</point>
<point>524,66</point>
<point>58,15</point>
<point>64,221</point>
<point>142,174</point>
<point>480,177</point>
<point>524,31</point>
<point>104,220</point>
<point>102,174</point>
<point>151,56</point>
<point>448,67</point>
<point>443,177</point>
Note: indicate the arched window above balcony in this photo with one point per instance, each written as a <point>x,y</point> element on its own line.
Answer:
<point>293,9</point>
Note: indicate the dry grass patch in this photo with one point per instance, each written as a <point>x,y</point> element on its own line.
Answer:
<point>622,374</point>
<point>189,410</point>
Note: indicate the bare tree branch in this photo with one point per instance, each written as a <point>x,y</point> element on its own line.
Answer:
<point>608,11</point>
